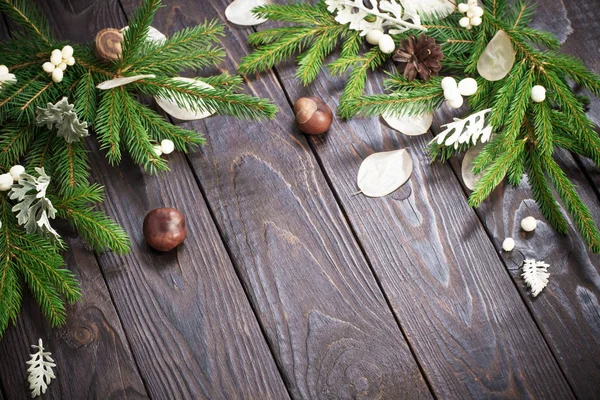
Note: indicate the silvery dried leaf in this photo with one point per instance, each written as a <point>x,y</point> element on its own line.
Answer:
<point>382,173</point>
<point>469,178</point>
<point>72,129</point>
<point>498,58</point>
<point>113,83</point>
<point>53,113</point>
<point>410,125</point>
<point>154,35</point>
<point>240,12</point>
<point>185,113</point>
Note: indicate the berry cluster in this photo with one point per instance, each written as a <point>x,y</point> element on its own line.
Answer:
<point>473,14</point>
<point>165,147</point>
<point>6,76</point>
<point>59,61</point>
<point>383,40</point>
<point>12,176</point>
<point>454,92</point>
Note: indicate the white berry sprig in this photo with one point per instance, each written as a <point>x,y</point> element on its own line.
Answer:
<point>165,147</point>
<point>59,61</point>
<point>473,14</point>
<point>454,92</point>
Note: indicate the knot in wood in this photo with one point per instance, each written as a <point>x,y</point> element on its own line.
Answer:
<point>108,44</point>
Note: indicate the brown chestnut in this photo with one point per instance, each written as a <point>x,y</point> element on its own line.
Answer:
<point>313,116</point>
<point>164,228</point>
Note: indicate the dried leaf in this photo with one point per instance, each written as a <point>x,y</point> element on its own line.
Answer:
<point>469,178</point>
<point>240,12</point>
<point>498,58</point>
<point>470,129</point>
<point>382,173</point>
<point>184,114</point>
<point>535,273</point>
<point>113,83</point>
<point>410,125</point>
<point>40,370</point>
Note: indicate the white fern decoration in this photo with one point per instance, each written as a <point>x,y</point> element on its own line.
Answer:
<point>471,129</point>
<point>40,370</point>
<point>535,273</point>
<point>387,14</point>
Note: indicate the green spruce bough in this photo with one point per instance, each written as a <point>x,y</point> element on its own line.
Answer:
<point>526,133</point>
<point>43,125</point>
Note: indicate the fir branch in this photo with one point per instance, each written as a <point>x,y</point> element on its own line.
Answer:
<point>578,210</point>
<point>108,123</point>
<point>494,174</point>
<point>542,192</point>
<point>135,36</point>
<point>26,14</point>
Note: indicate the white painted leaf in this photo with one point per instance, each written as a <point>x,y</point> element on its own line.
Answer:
<point>498,58</point>
<point>40,370</point>
<point>470,129</point>
<point>469,178</point>
<point>154,35</point>
<point>113,83</point>
<point>410,125</point>
<point>240,12</point>
<point>535,273</point>
<point>383,14</point>
<point>382,173</point>
<point>187,113</point>
<point>438,8</point>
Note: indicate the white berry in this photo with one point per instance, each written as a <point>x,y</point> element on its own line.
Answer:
<point>157,150</point>
<point>467,86</point>
<point>476,21</point>
<point>464,22</point>
<point>456,103</point>
<point>62,66</point>
<point>6,182</point>
<point>67,52</point>
<point>16,171</point>
<point>373,36</point>
<point>470,13</point>
<point>70,61</point>
<point>449,83</point>
<point>508,244</point>
<point>48,67</point>
<point>538,93</point>
<point>167,146</point>
<point>386,44</point>
<point>3,70</point>
<point>463,7</point>
<point>452,93</point>
<point>477,11</point>
<point>56,57</point>
<point>57,75</point>
<point>529,224</point>
<point>472,2</point>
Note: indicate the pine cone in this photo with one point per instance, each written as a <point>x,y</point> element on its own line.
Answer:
<point>420,57</point>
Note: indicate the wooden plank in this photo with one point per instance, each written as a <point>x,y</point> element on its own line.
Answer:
<point>465,320</point>
<point>320,307</point>
<point>91,350</point>
<point>571,299</point>
<point>191,328</point>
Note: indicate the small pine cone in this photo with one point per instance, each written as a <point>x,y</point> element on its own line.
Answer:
<point>419,57</point>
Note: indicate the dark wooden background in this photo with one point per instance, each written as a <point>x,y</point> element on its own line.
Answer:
<point>289,285</point>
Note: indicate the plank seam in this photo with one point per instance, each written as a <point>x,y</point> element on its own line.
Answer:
<point>358,242</point>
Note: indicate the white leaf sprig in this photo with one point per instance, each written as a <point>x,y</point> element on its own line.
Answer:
<point>383,14</point>
<point>535,273</point>
<point>40,370</point>
<point>471,129</point>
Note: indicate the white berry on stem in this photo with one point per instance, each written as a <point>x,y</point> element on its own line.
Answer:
<point>4,70</point>
<point>70,61</point>
<point>452,93</point>
<point>56,57</point>
<point>467,87</point>
<point>16,172</point>
<point>464,22</point>
<point>67,52</point>
<point>386,44</point>
<point>157,150</point>
<point>456,103</point>
<point>528,224</point>
<point>62,66</point>
<point>463,7</point>
<point>6,182</point>
<point>167,146</point>
<point>48,67</point>
<point>449,83</point>
<point>476,21</point>
<point>57,75</point>
<point>373,36</point>
<point>508,244</point>
<point>538,93</point>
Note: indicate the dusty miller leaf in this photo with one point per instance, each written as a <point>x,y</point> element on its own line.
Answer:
<point>40,370</point>
<point>34,210</point>
<point>535,273</point>
<point>72,129</point>
<point>53,113</point>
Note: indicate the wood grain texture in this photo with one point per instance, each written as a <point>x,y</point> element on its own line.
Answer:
<point>469,329</point>
<point>571,298</point>
<point>320,307</point>
<point>91,350</point>
<point>191,328</point>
